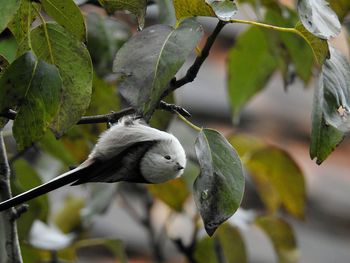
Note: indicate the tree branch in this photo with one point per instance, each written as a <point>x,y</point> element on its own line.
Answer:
<point>13,249</point>
<point>192,72</point>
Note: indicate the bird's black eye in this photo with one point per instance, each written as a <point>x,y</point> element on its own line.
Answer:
<point>167,157</point>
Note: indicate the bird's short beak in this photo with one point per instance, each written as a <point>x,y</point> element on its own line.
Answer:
<point>178,167</point>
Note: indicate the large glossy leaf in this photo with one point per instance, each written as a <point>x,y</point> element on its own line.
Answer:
<point>330,97</point>
<point>71,57</point>
<point>27,178</point>
<point>218,190</point>
<point>105,37</point>
<point>190,8</point>
<point>174,193</point>
<point>227,244</point>
<point>278,179</point>
<point>68,15</point>
<point>137,7</point>
<point>319,46</point>
<point>225,10</point>
<point>150,59</point>
<point>40,105</point>
<point>318,18</point>
<point>21,22</point>
<point>245,79</point>
<point>15,81</point>
<point>7,11</point>
<point>334,86</point>
<point>282,237</point>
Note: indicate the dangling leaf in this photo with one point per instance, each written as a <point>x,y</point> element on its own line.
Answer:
<point>218,190</point>
<point>191,8</point>
<point>150,59</point>
<point>73,61</point>
<point>318,18</point>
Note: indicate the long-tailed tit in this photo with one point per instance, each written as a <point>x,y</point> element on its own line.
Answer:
<point>129,151</point>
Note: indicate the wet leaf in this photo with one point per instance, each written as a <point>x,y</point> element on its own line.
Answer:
<point>318,18</point>
<point>245,79</point>
<point>158,52</point>
<point>282,237</point>
<point>218,190</point>
<point>225,10</point>
<point>39,106</point>
<point>173,193</point>
<point>137,7</point>
<point>331,88</point>
<point>7,11</point>
<point>334,91</point>
<point>68,15</point>
<point>74,64</point>
<point>319,46</point>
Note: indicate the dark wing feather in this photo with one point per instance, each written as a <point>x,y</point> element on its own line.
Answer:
<point>123,167</point>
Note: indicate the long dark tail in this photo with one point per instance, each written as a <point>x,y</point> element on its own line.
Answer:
<point>64,179</point>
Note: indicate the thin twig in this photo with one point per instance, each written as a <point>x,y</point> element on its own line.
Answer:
<point>192,72</point>
<point>13,249</point>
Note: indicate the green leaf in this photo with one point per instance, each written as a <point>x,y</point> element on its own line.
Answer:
<point>27,178</point>
<point>105,37</point>
<point>67,218</point>
<point>289,47</point>
<point>282,237</point>
<point>68,15</point>
<point>137,7</point>
<point>324,137</point>
<point>8,48</point>
<point>318,18</point>
<point>39,106</point>
<point>278,179</point>
<point>245,145</point>
<point>334,91</point>
<point>319,46</point>
<point>21,22</point>
<point>191,8</point>
<point>227,241</point>
<point>245,79</point>
<point>15,82</point>
<point>225,10</point>
<point>218,190</point>
<point>173,193</point>
<point>158,52</point>
<point>3,64</point>
<point>55,45</point>
<point>7,11</point>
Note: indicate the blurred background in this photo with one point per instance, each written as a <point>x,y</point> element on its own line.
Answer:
<point>146,221</point>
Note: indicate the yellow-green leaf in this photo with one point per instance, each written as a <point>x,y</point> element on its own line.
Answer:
<point>190,8</point>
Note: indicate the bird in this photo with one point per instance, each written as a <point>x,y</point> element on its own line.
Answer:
<point>130,151</point>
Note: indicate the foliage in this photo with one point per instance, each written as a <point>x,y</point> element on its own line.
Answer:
<point>58,63</point>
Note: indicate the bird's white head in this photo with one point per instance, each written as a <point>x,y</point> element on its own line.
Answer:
<point>164,161</point>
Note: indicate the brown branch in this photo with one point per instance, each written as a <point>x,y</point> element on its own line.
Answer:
<point>13,249</point>
<point>192,72</point>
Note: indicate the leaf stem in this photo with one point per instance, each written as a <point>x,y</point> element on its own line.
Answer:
<point>43,22</point>
<point>190,124</point>
<point>272,27</point>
